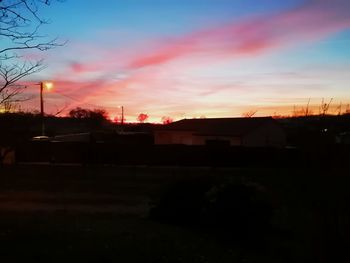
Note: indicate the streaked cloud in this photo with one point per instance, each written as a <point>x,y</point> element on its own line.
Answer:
<point>254,35</point>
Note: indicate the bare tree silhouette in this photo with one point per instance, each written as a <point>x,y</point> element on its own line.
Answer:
<point>305,112</point>
<point>324,107</point>
<point>166,120</point>
<point>249,114</point>
<point>142,117</point>
<point>338,109</point>
<point>347,110</point>
<point>80,113</point>
<point>10,74</point>
<point>20,23</point>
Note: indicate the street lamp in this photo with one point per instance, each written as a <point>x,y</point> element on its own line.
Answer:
<point>48,86</point>
<point>122,107</point>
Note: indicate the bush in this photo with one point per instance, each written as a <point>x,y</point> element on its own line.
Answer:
<point>234,212</point>
<point>238,212</point>
<point>182,203</point>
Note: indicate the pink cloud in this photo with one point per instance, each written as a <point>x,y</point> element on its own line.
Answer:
<point>79,68</point>
<point>312,21</point>
<point>250,36</point>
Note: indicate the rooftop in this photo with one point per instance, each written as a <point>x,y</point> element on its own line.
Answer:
<point>218,126</point>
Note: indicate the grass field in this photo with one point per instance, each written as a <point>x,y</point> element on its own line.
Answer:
<point>100,214</point>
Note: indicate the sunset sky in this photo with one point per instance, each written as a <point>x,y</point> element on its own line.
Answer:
<point>193,58</point>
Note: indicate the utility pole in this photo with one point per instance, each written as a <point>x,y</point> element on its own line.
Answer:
<point>47,85</point>
<point>122,115</point>
<point>42,109</point>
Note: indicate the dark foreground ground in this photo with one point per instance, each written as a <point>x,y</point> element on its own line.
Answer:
<point>101,214</point>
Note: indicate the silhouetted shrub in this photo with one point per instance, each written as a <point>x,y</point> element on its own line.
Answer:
<point>235,212</point>
<point>238,212</point>
<point>182,203</point>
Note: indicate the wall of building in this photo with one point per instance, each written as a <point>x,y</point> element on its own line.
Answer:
<point>269,135</point>
<point>173,137</point>
<point>187,138</point>
<point>202,140</point>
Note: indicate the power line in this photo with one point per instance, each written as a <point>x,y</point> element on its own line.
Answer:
<point>85,103</point>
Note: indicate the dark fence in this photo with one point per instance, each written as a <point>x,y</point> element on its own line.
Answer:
<point>181,155</point>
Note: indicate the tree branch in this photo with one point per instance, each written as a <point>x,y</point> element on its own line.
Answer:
<point>20,23</point>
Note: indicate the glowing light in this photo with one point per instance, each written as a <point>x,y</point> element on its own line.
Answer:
<point>48,85</point>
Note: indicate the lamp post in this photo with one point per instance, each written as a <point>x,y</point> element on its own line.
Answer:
<point>122,120</point>
<point>43,85</point>
<point>122,115</point>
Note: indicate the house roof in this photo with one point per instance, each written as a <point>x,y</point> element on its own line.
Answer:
<point>218,126</point>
